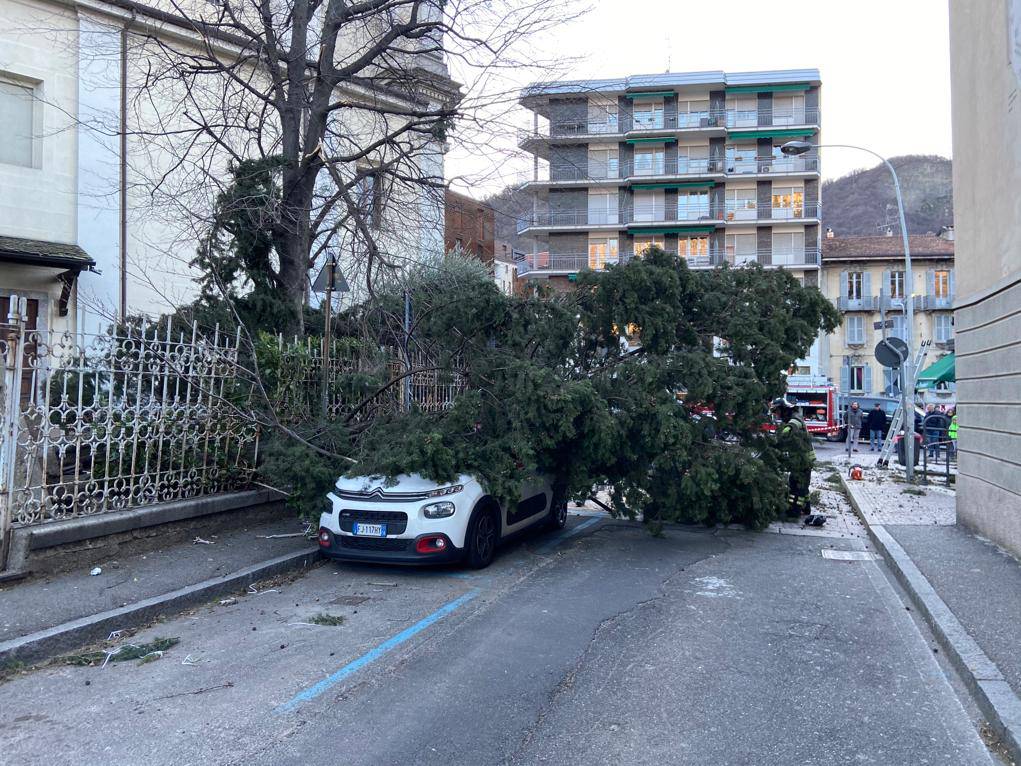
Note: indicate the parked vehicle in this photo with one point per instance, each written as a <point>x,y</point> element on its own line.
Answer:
<point>413,520</point>
<point>816,399</point>
<point>865,404</point>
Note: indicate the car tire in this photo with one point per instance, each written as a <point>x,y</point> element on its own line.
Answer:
<point>557,518</point>
<point>482,537</point>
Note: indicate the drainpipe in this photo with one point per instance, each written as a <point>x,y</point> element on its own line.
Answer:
<point>123,192</point>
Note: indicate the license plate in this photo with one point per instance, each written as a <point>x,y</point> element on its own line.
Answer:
<point>369,530</point>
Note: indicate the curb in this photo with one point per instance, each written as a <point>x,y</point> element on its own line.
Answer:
<point>988,688</point>
<point>71,635</point>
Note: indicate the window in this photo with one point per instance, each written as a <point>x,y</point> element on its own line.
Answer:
<point>788,202</point>
<point>741,249</point>
<point>857,377</point>
<point>602,251</point>
<point>789,110</point>
<point>741,158</point>
<point>855,285</point>
<point>369,196</point>
<point>742,111</point>
<point>602,162</point>
<point>690,114</point>
<point>694,249</point>
<point>741,204</point>
<point>602,207</point>
<point>648,114</point>
<point>941,283</point>
<point>943,328</point>
<point>692,206</point>
<point>17,107</point>
<point>649,161</point>
<point>788,248</point>
<point>649,205</point>
<point>644,243</point>
<point>899,329</point>
<point>602,116</point>
<point>896,285</point>
<point>692,159</point>
<point>854,330</point>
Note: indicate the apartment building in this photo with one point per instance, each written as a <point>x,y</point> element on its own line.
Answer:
<point>470,227</point>
<point>985,79</point>
<point>864,277</point>
<point>690,162</point>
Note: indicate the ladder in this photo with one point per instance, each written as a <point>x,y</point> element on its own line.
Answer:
<point>898,416</point>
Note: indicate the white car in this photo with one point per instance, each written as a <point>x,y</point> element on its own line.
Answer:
<point>415,520</point>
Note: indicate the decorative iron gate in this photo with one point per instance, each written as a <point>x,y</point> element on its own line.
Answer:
<point>101,422</point>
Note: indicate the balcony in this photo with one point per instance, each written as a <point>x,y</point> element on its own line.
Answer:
<point>773,166</point>
<point>774,258</point>
<point>889,302</point>
<point>680,166</point>
<point>745,212</point>
<point>552,264</point>
<point>863,303</point>
<point>657,214</point>
<point>937,302</point>
<point>754,118</point>
<point>569,219</point>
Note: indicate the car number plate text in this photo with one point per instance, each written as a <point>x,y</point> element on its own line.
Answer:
<point>369,530</point>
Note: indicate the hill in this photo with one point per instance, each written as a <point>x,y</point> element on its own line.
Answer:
<point>863,202</point>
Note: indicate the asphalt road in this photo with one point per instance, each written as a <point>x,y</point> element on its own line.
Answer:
<point>607,646</point>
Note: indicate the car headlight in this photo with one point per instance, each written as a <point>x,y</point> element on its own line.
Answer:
<point>439,510</point>
<point>451,490</point>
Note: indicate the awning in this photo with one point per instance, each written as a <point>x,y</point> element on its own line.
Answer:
<point>941,371</point>
<point>664,140</point>
<point>651,94</point>
<point>685,185</point>
<point>767,133</point>
<point>670,229</point>
<point>767,88</point>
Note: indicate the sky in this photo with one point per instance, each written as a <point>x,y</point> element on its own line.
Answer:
<point>884,66</point>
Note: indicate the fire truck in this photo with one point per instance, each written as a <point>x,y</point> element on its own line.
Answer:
<point>816,400</point>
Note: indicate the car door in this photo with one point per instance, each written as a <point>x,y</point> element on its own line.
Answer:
<point>531,507</point>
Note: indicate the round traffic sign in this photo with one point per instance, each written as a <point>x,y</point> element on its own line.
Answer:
<point>891,352</point>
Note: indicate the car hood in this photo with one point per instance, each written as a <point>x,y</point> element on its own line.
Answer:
<point>405,482</point>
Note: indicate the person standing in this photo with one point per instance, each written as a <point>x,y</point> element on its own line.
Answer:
<point>875,422</point>
<point>854,421</point>
<point>952,433</point>
<point>935,426</point>
<point>797,455</point>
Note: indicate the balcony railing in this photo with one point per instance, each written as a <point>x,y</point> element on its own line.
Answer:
<point>569,218</point>
<point>660,214</point>
<point>750,211</point>
<point>593,171</point>
<point>774,165</point>
<point>937,302</point>
<point>679,166</point>
<point>769,257</point>
<point>766,118</point>
<point>863,303</point>
<point>571,263</point>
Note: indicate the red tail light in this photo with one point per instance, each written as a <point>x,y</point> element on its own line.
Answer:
<point>325,537</point>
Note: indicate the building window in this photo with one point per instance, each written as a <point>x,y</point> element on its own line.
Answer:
<point>941,283</point>
<point>741,249</point>
<point>693,206</point>
<point>692,159</point>
<point>789,110</point>
<point>859,378</point>
<point>17,107</point>
<point>644,243</point>
<point>649,206</point>
<point>741,204</point>
<point>369,197</point>
<point>943,328</point>
<point>602,207</point>
<point>602,116</point>
<point>601,252</point>
<point>788,248</point>
<point>694,249</point>
<point>690,114</point>
<point>741,158</point>
<point>854,330</point>
<point>742,111</point>
<point>788,202</point>
<point>649,161</point>
<point>602,162</point>
<point>855,285</point>
<point>648,114</point>
<point>896,285</point>
<point>899,329</point>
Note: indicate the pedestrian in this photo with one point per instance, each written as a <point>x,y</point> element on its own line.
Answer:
<point>952,433</point>
<point>875,421</point>
<point>854,421</point>
<point>934,427</point>
<point>797,456</point>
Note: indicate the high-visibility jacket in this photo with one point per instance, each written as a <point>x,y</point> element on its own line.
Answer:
<point>952,430</point>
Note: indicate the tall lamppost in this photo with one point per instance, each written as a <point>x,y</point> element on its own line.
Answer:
<point>907,394</point>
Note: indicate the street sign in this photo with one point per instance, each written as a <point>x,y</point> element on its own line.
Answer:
<point>888,324</point>
<point>321,284</point>
<point>891,352</point>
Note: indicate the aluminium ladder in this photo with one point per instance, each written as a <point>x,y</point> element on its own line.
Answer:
<point>898,415</point>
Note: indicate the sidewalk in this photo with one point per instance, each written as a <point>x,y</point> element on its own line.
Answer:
<point>966,588</point>
<point>131,590</point>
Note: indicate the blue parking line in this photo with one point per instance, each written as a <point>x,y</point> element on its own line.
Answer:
<point>554,542</point>
<point>374,654</point>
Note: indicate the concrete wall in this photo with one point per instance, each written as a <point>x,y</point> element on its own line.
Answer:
<point>985,55</point>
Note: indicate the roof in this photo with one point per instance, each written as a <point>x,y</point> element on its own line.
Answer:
<point>671,80</point>
<point>879,248</point>
<point>36,252</point>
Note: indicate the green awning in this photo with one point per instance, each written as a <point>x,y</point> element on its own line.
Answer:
<point>651,94</point>
<point>673,229</point>
<point>692,185</point>
<point>769,133</point>
<point>664,140</point>
<point>941,371</point>
<point>766,88</point>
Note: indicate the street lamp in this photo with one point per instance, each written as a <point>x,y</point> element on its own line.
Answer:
<point>793,149</point>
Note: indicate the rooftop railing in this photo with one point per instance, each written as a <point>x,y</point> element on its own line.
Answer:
<point>571,263</point>
<point>772,165</point>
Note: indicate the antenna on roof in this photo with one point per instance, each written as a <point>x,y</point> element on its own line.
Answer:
<point>667,36</point>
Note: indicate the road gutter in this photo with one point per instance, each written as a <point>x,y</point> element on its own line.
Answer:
<point>75,633</point>
<point>985,682</point>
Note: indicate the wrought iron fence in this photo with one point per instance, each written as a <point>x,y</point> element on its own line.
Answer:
<point>133,416</point>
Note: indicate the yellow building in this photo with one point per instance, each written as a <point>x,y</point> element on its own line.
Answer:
<point>864,277</point>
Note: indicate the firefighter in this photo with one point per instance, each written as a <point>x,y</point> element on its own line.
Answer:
<point>797,454</point>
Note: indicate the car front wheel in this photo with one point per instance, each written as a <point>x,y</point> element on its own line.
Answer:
<point>483,535</point>
<point>557,512</point>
